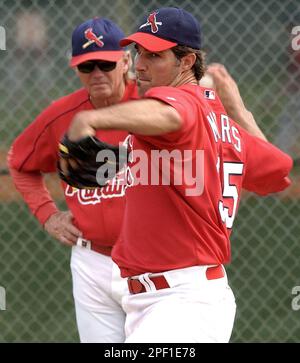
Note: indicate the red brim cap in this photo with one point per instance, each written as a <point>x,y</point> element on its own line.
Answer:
<point>110,56</point>
<point>148,41</point>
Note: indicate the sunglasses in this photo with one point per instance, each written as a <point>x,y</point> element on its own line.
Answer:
<point>88,67</point>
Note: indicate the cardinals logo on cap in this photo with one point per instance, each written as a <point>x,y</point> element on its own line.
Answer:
<point>151,21</point>
<point>92,38</point>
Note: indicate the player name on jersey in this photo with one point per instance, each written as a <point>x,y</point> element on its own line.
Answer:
<point>229,133</point>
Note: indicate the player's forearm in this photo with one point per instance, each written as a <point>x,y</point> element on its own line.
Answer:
<point>144,117</point>
<point>229,93</point>
<point>247,121</point>
<point>34,192</point>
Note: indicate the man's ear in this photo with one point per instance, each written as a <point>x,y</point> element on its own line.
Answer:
<point>188,61</point>
<point>127,62</point>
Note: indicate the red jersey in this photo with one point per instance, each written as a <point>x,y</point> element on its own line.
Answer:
<point>98,213</point>
<point>187,223</point>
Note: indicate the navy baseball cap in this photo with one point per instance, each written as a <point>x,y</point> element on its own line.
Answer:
<point>96,39</point>
<point>165,28</point>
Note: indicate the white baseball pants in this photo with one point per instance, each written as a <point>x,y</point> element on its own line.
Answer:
<point>97,290</point>
<point>193,310</point>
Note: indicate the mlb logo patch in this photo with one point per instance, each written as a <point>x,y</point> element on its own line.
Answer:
<point>209,94</point>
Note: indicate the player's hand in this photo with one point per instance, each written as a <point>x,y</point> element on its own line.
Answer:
<point>61,227</point>
<point>227,90</point>
<point>81,125</point>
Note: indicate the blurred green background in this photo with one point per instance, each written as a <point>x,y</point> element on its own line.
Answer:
<point>253,40</point>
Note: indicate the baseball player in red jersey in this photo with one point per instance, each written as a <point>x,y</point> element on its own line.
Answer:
<point>93,221</point>
<point>175,236</point>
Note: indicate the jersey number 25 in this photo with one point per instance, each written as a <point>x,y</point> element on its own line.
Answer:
<point>230,191</point>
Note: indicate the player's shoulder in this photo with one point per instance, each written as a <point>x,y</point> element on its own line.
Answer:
<point>210,96</point>
<point>69,102</point>
<point>64,107</point>
<point>168,93</point>
<point>191,92</point>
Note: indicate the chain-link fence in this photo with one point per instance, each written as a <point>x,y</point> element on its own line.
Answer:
<point>254,40</point>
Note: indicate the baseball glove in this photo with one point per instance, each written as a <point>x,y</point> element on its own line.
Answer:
<point>89,163</point>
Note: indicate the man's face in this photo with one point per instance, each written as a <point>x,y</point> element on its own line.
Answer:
<point>104,85</point>
<point>155,69</point>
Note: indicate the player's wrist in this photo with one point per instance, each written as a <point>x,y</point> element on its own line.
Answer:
<point>243,116</point>
<point>46,212</point>
<point>94,122</point>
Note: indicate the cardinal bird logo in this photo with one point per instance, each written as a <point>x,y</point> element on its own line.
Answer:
<point>92,38</point>
<point>152,21</point>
